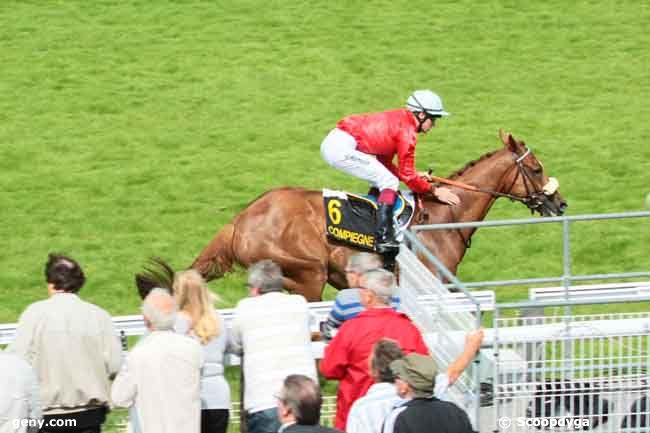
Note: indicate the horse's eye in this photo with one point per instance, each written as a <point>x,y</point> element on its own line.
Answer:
<point>538,170</point>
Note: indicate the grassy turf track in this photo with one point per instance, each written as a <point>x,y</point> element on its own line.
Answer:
<point>133,128</point>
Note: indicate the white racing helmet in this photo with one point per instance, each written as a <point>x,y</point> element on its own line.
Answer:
<point>425,101</point>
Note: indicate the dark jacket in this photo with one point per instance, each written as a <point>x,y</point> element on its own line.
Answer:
<point>424,415</point>
<point>297,428</point>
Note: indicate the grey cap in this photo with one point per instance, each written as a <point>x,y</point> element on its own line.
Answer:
<point>419,371</point>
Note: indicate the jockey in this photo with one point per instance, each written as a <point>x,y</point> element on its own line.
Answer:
<point>364,146</point>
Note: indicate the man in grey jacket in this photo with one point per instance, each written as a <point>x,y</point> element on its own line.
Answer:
<point>73,348</point>
<point>165,403</point>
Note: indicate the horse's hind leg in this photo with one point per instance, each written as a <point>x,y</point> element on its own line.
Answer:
<point>309,282</point>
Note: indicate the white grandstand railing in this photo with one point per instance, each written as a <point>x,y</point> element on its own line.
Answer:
<point>612,344</point>
<point>590,292</point>
<point>134,325</point>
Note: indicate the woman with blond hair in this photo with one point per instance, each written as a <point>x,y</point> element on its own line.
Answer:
<point>198,319</point>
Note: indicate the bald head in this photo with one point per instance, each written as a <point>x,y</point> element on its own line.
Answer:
<point>159,310</point>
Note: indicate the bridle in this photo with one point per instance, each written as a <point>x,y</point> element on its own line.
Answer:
<point>534,198</point>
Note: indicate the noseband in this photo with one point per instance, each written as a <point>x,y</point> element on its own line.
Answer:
<point>534,198</point>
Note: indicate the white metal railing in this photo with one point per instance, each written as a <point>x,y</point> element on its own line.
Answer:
<point>585,359</point>
<point>586,373</point>
<point>444,327</point>
<point>134,325</point>
<point>590,292</point>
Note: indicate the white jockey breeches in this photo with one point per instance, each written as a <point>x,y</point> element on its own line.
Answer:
<point>339,149</point>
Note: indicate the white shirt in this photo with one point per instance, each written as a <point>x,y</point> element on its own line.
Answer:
<point>273,332</point>
<point>367,414</point>
<point>19,394</point>
<point>161,376</point>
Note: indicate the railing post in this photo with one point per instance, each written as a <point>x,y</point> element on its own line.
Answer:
<point>566,282</point>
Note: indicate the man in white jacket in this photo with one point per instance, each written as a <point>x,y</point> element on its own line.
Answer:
<point>271,328</point>
<point>161,375</point>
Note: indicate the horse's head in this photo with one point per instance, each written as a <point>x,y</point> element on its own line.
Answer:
<point>529,183</point>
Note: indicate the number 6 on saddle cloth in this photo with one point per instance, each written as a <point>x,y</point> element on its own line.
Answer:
<point>352,219</point>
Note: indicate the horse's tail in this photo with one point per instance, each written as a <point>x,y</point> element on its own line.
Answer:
<point>157,274</point>
<point>217,258</point>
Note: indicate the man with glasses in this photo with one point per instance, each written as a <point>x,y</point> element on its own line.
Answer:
<point>299,406</point>
<point>347,304</point>
<point>364,146</point>
<point>346,356</point>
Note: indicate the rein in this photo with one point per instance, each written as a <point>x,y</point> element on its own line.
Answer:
<point>529,200</point>
<point>468,187</point>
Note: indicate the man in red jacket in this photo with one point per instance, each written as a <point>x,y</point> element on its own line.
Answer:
<point>346,356</point>
<point>364,146</point>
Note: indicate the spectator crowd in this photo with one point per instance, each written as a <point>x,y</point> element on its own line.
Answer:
<point>66,369</point>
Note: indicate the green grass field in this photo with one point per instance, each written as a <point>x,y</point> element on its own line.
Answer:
<point>133,128</point>
<point>130,129</point>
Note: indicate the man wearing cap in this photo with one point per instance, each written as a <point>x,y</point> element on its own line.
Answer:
<point>368,413</point>
<point>346,356</point>
<point>415,380</point>
<point>347,304</point>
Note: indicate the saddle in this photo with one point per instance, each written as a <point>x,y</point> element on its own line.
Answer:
<point>351,219</point>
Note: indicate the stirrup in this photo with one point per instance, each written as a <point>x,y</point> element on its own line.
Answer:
<point>387,246</point>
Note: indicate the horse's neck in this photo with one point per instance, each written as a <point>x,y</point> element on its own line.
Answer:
<point>488,174</point>
<point>450,245</point>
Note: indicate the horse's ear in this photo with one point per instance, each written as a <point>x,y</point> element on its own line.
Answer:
<point>508,140</point>
<point>504,136</point>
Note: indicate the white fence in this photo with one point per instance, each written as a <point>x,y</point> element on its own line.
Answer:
<point>590,374</point>
<point>559,373</point>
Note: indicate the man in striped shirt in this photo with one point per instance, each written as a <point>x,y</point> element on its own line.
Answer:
<point>347,304</point>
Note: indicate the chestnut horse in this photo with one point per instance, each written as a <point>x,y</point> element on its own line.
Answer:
<point>287,225</point>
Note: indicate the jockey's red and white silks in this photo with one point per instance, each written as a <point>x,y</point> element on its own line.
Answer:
<point>339,150</point>
<point>385,135</point>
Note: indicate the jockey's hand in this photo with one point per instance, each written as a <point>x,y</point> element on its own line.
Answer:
<point>445,195</point>
<point>425,175</point>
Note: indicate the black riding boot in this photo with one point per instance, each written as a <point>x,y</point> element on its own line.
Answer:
<point>373,191</point>
<point>385,241</point>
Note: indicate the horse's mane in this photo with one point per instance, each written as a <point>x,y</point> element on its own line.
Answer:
<point>471,164</point>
